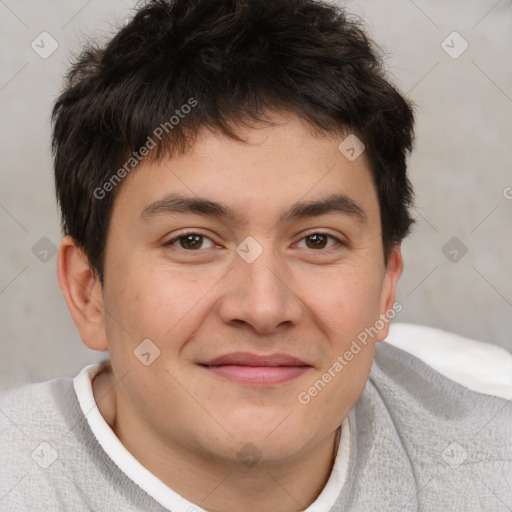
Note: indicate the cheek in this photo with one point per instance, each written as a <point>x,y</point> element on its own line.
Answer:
<point>347,304</point>
<point>329,397</point>
<point>152,300</point>
<point>347,299</point>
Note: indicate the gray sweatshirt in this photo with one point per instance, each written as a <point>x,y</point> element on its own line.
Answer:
<point>418,441</point>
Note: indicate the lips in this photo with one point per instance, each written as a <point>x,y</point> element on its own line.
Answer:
<point>253,369</point>
<point>247,359</point>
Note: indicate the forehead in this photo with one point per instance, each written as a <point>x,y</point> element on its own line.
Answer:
<point>282,165</point>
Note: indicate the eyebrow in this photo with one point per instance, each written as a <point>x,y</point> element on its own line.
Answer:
<point>178,204</point>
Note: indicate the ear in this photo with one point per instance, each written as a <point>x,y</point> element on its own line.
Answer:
<point>82,291</point>
<point>388,309</point>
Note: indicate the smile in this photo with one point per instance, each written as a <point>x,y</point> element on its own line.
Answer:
<point>254,369</point>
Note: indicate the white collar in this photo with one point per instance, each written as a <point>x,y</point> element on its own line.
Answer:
<point>162,493</point>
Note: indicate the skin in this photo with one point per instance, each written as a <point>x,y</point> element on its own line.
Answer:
<point>182,422</point>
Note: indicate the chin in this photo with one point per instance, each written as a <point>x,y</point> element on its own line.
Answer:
<point>275,445</point>
<point>262,453</point>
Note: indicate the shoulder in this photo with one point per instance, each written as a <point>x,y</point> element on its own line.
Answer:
<point>31,403</point>
<point>434,422</point>
<point>436,386</point>
<point>36,407</point>
<point>34,419</point>
<point>36,410</point>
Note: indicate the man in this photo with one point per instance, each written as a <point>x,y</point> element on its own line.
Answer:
<point>232,181</point>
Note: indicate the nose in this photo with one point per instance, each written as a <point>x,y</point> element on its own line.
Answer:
<point>261,295</point>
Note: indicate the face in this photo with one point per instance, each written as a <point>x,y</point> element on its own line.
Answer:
<point>281,291</point>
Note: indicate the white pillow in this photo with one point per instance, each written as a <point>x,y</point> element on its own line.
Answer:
<point>479,366</point>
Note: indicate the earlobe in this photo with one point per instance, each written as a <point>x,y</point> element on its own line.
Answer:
<point>388,310</point>
<point>82,292</point>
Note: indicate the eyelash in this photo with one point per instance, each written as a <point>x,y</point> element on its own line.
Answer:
<point>183,235</point>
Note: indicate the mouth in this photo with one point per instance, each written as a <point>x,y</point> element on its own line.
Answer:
<point>246,368</point>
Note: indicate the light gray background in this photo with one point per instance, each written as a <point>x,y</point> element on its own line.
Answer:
<point>460,169</point>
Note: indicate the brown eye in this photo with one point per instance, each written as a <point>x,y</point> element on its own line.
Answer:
<point>189,241</point>
<point>319,240</point>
